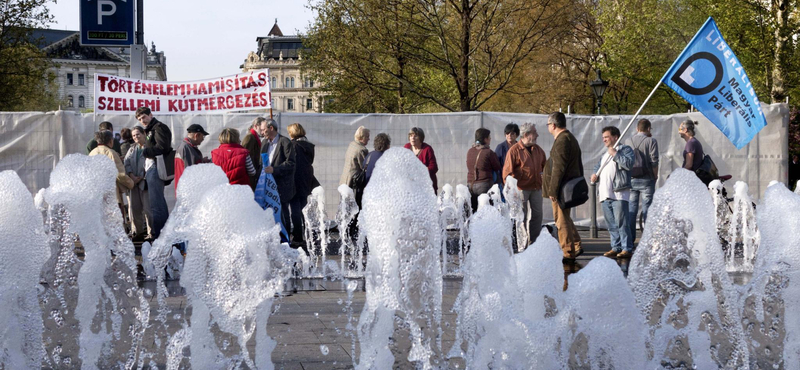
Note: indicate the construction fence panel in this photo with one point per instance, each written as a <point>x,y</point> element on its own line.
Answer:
<point>32,143</point>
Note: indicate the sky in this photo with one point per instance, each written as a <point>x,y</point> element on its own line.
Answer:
<point>204,39</point>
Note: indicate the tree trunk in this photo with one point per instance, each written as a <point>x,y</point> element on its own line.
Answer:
<point>778,93</point>
<point>463,71</point>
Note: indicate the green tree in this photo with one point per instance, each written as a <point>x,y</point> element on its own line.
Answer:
<point>643,37</point>
<point>26,83</point>
<point>417,55</point>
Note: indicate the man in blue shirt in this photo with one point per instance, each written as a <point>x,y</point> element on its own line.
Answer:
<point>512,133</point>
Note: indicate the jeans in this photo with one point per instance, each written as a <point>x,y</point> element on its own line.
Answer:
<point>158,205</point>
<point>616,215</point>
<point>643,188</point>
<point>532,208</point>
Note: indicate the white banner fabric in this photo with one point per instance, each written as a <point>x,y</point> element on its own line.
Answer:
<point>239,92</point>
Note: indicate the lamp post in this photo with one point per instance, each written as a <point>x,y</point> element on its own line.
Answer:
<point>598,88</point>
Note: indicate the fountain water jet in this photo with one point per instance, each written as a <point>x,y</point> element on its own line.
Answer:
<point>403,271</point>
<point>107,296</point>
<point>20,225</point>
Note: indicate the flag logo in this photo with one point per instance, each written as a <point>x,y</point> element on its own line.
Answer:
<point>709,76</point>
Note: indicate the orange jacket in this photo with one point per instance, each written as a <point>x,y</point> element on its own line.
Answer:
<point>525,166</point>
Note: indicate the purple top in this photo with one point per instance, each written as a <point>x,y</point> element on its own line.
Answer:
<point>693,146</point>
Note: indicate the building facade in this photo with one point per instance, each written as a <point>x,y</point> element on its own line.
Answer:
<point>76,65</point>
<point>291,91</point>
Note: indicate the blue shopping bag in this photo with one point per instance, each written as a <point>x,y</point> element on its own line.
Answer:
<point>267,196</point>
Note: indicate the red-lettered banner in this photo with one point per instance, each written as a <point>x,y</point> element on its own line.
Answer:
<point>240,92</point>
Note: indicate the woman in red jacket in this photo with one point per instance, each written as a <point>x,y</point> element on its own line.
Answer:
<point>416,142</point>
<point>233,158</point>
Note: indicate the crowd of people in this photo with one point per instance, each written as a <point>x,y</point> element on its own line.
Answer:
<point>625,175</point>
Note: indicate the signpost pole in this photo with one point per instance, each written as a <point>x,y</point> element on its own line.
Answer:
<point>138,49</point>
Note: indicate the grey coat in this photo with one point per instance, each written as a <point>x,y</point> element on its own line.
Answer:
<point>354,160</point>
<point>134,164</point>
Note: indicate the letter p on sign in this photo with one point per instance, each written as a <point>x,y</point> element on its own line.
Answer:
<point>105,8</point>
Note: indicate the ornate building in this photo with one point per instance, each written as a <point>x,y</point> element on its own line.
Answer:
<point>75,65</point>
<point>291,92</point>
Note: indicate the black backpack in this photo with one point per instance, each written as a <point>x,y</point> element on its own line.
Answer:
<point>640,165</point>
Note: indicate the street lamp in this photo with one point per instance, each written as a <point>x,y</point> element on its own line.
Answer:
<point>599,86</point>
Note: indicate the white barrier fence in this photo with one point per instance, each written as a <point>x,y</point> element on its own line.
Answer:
<point>32,143</point>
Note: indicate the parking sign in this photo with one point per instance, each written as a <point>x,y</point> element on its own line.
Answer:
<point>107,22</point>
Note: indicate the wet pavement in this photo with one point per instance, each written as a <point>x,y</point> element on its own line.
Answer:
<point>314,321</point>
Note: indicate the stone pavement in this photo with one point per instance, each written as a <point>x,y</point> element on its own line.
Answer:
<point>314,321</point>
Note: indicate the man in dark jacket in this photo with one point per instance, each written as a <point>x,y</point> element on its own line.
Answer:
<point>105,125</point>
<point>159,142</point>
<point>282,166</point>
<point>563,165</point>
<point>252,142</point>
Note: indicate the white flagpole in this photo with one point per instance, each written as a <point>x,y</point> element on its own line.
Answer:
<point>619,141</point>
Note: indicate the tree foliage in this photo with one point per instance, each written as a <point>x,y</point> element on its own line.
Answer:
<point>641,39</point>
<point>418,55</point>
<point>536,56</point>
<point>26,83</point>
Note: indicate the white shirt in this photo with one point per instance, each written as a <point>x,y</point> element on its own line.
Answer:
<point>605,186</point>
<point>273,144</point>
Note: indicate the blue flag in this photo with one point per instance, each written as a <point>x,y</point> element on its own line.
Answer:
<point>267,196</point>
<point>709,76</point>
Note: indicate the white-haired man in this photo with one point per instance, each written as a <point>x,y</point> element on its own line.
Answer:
<point>525,162</point>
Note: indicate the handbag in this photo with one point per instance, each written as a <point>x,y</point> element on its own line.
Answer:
<point>707,171</point>
<point>573,192</point>
<point>165,164</point>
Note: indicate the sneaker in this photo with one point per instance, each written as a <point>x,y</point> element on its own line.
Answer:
<point>611,254</point>
<point>624,254</point>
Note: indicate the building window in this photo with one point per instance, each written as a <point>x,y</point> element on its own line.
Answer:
<point>274,82</point>
<point>272,102</point>
<point>81,80</point>
<point>309,104</point>
<point>81,102</point>
<point>292,82</point>
<point>70,102</point>
<point>309,83</point>
<point>286,83</point>
<point>289,104</point>
<point>69,78</point>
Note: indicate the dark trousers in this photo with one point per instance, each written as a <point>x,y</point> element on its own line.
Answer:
<point>298,221</point>
<point>286,219</point>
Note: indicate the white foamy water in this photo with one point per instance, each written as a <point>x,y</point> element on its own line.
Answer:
<point>681,285</point>
<point>349,252</point>
<point>771,323</point>
<point>195,181</point>
<point>678,307</point>
<point>83,190</point>
<point>316,232</point>
<point>743,234</point>
<point>235,264</point>
<point>449,218</point>
<point>516,211</point>
<point>403,271</point>
<point>23,252</point>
